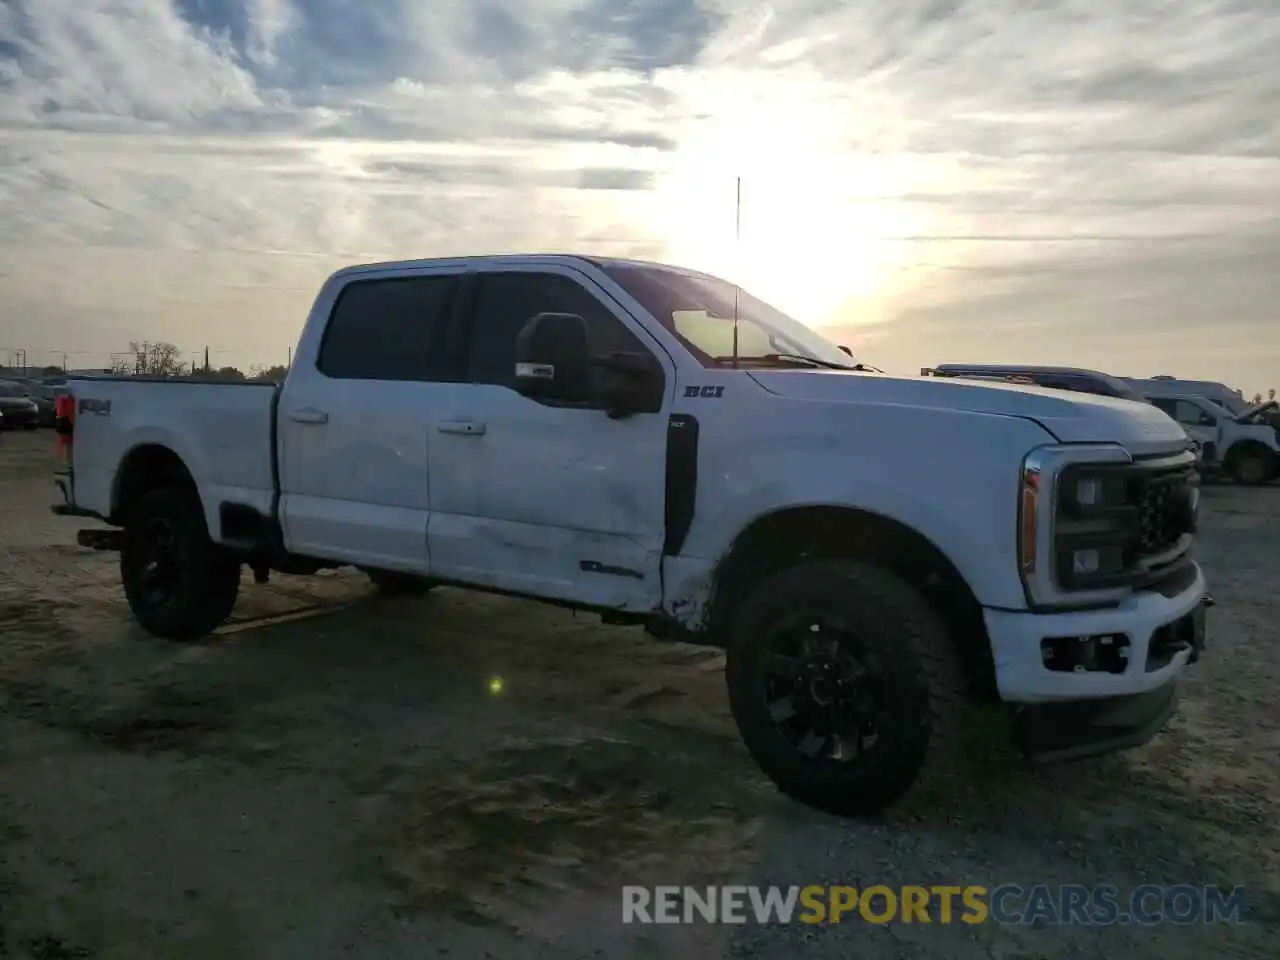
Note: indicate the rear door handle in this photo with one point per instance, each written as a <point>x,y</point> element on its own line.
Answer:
<point>309,415</point>
<point>467,428</point>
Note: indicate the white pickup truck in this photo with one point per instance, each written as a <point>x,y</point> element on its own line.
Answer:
<point>1245,445</point>
<point>875,553</point>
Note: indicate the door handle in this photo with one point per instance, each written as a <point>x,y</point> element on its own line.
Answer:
<point>309,415</point>
<point>466,428</point>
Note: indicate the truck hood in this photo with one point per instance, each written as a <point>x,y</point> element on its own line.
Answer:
<point>1269,406</point>
<point>1070,417</point>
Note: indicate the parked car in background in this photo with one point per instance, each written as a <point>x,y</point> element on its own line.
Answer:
<point>43,395</point>
<point>1219,393</point>
<point>19,409</point>
<point>1244,446</point>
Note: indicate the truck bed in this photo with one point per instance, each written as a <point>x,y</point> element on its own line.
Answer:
<point>223,431</point>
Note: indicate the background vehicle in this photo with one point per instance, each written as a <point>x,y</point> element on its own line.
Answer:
<point>18,408</point>
<point>1222,395</point>
<point>1244,446</point>
<point>874,553</point>
<point>43,396</point>
<point>1056,378</point>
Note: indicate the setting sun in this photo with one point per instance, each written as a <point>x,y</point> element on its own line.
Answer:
<point>819,223</point>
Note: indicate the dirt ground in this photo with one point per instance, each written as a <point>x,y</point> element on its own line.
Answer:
<point>338,775</point>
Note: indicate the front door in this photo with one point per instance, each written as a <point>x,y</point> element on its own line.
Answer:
<point>355,421</point>
<point>1199,424</point>
<point>554,501</point>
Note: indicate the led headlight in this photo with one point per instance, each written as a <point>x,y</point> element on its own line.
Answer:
<point>1074,522</point>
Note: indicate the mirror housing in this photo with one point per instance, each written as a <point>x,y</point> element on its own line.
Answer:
<point>553,361</point>
<point>849,353</point>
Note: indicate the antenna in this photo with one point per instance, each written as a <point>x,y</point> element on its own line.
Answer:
<point>737,240</point>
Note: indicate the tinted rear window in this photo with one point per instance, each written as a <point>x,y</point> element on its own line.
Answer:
<point>385,329</point>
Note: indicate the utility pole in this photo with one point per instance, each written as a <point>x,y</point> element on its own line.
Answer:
<point>289,360</point>
<point>206,359</point>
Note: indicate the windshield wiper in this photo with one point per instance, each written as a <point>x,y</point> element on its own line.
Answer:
<point>797,358</point>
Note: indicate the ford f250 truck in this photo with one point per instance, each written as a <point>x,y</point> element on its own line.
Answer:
<point>876,554</point>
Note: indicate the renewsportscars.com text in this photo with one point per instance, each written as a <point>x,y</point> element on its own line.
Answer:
<point>1103,905</point>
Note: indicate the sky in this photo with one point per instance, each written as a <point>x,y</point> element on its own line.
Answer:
<point>1081,182</point>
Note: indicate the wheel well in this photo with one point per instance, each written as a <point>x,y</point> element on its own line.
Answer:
<point>148,467</point>
<point>1242,447</point>
<point>789,536</point>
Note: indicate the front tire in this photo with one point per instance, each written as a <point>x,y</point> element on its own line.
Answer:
<point>843,682</point>
<point>179,583</point>
<point>1254,469</point>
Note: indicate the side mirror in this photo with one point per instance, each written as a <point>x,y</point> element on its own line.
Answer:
<point>552,358</point>
<point>849,353</point>
<point>630,383</point>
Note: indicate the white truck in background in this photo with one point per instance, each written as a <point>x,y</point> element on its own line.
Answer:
<point>1243,445</point>
<point>1165,386</point>
<point>876,554</point>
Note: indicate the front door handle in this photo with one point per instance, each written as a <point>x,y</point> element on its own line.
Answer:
<point>309,415</point>
<point>467,428</point>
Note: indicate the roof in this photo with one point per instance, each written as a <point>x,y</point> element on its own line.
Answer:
<point>515,259</point>
<point>1021,368</point>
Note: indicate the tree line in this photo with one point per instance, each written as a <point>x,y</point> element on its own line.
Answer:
<point>147,359</point>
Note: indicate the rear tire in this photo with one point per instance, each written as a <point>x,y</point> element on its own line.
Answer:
<point>179,583</point>
<point>392,583</point>
<point>906,671</point>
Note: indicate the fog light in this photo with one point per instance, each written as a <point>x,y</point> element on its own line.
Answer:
<point>1086,562</point>
<point>1089,492</point>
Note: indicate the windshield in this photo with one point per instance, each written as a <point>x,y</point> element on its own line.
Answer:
<point>1233,403</point>
<point>10,389</point>
<point>700,311</point>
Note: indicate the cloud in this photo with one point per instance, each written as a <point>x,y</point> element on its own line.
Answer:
<point>910,168</point>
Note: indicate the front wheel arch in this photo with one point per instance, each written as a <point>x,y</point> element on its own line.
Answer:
<point>796,535</point>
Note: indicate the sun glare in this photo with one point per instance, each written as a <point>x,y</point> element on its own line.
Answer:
<point>816,218</point>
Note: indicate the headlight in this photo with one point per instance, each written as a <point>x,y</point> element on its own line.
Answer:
<point>1093,523</point>
<point>1075,520</point>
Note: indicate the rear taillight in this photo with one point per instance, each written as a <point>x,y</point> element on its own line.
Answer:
<point>64,423</point>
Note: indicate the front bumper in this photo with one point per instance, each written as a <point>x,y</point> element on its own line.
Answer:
<point>1145,620</point>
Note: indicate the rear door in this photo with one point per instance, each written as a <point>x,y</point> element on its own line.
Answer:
<point>551,500</point>
<point>355,419</point>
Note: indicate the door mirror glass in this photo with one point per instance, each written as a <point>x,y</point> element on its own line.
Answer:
<point>552,358</point>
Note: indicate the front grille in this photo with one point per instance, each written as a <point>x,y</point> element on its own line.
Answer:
<point>1159,527</point>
